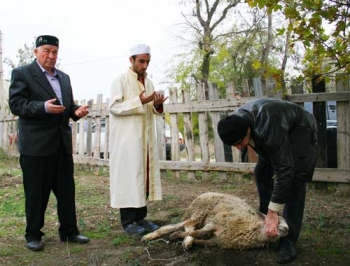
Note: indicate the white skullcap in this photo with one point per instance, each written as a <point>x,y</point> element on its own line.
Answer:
<point>140,49</point>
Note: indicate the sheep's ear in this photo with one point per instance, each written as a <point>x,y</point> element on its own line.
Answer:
<point>261,215</point>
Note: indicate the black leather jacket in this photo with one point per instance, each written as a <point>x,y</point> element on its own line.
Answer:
<point>285,137</point>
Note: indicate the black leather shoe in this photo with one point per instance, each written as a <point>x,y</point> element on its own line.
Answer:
<point>35,245</point>
<point>75,239</point>
<point>287,252</point>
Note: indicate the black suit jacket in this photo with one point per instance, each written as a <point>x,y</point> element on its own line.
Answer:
<point>40,133</point>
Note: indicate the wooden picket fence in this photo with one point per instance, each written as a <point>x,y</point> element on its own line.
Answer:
<point>91,148</point>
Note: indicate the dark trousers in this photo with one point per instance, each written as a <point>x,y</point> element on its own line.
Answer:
<point>303,143</point>
<point>294,207</point>
<point>41,174</point>
<point>131,215</point>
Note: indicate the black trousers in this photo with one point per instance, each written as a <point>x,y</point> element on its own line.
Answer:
<point>41,175</point>
<point>294,207</point>
<point>303,143</point>
<point>131,215</point>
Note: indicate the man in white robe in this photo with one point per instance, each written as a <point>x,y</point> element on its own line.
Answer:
<point>134,168</point>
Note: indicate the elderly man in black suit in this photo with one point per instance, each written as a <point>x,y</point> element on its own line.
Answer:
<point>41,96</point>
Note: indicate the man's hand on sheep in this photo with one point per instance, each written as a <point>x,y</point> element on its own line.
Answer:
<point>271,222</point>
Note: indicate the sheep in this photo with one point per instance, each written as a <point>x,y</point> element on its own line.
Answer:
<point>223,220</point>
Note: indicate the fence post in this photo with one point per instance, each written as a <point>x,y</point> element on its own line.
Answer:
<point>215,118</point>
<point>298,88</point>
<point>203,130</point>
<point>343,130</point>
<point>245,86</point>
<point>319,111</point>
<point>2,130</point>
<point>175,149</point>
<point>271,91</point>
<point>2,123</point>
<point>81,130</point>
<point>5,132</point>
<point>97,127</point>
<point>188,136</point>
<point>106,142</point>
<point>231,153</point>
<point>74,129</point>
<point>89,129</point>
<point>161,141</point>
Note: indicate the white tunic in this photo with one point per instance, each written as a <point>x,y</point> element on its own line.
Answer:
<point>132,136</point>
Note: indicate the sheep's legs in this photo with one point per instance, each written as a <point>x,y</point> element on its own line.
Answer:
<point>188,240</point>
<point>194,234</point>
<point>163,230</point>
<point>177,235</point>
<point>200,233</point>
<point>213,242</point>
<point>206,230</point>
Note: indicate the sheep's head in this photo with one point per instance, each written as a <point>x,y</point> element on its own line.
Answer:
<point>282,228</point>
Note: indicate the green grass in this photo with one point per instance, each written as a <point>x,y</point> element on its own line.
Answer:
<point>9,166</point>
<point>12,212</point>
<point>122,240</point>
<point>229,186</point>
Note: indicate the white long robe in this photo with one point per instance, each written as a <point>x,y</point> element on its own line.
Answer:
<point>132,136</point>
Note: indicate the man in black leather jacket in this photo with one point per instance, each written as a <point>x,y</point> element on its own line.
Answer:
<point>284,136</point>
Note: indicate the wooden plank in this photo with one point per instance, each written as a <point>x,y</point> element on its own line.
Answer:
<point>319,97</point>
<point>90,161</point>
<point>245,87</point>
<point>319,112</point>
<point>343,125</point>
<point>174,132</point>
<point>2,124</point>
<point>88,131</point>
<point>97,128</point>
<point>343,130</point>
<point>160,136</point>
<point>208,166</point>
<point>188,136</point>
<point>321,174</point>
<point>5,135</point>
<point>81,130</point>
<point>107,130</point>
<point>230,104</point>
<point>332,175</point>
<point>215,118</point>
<point>74,135</point>
<point>160,133</point>
<point>203,130</point>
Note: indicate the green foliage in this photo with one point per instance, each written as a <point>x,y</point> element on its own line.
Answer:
<point>185,69</point>
<point>321,26</point>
